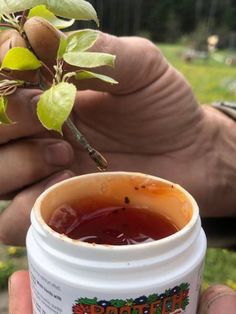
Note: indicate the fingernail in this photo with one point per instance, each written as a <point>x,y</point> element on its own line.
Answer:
<point>58,154</point>
<point>59,177</point>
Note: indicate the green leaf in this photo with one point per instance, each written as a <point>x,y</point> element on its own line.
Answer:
<point>43,12</point>
<point>81,75</point>
<point>55,105</point>
<point>77,42</point>
<point>3,108</point>
<point>62,48</point>
<point>89,59</point>
<point>73,9</point>
<point>11,6</point>
<point>20,59</point>
<point>81,40</point>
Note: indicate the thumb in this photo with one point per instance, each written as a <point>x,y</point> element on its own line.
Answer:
<point>19,293</point>
<point>218,299</point>
<point>9,39</point>
<point>44,38</point>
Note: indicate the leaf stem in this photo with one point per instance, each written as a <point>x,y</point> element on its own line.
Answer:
<point>97,157</point>
<point>58,71</point>
<point>12,20</point>
<point>8,25</point>
<point>50,72</point>
<point>6,76</point>
<point>68,76</point>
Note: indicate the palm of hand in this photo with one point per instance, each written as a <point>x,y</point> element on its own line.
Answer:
<point>150,118</point>
<point>147,123</point>
<point>151,113</point>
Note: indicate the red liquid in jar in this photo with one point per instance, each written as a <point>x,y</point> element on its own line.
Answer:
<point>111,225</point>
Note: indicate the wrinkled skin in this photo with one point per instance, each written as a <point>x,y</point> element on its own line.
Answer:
<point>150,122</point>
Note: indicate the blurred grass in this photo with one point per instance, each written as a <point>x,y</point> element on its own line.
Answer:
<point>208,78</point>
<point>11,259</point>
<point>220,267</point>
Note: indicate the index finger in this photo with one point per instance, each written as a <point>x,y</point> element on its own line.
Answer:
<point>21,110</point>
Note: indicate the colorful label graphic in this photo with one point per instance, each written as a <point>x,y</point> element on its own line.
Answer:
<point>172,301</point>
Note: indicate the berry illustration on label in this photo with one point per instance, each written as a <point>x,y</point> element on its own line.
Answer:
<point>172,301</point>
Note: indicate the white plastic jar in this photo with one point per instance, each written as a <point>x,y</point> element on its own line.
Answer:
<point>164,276</point>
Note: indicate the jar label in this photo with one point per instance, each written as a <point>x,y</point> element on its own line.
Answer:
<point>174,301</point>
<point>51,297</point>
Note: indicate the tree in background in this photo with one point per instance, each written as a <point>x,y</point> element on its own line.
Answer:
<point>119,17</point>
<point>169,20</point>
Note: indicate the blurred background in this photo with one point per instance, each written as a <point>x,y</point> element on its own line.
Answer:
<point>193,34</point>
<point>198,37</point>
<point>170,21</point>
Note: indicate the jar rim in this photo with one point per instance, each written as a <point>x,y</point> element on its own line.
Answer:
<point>45,230</point>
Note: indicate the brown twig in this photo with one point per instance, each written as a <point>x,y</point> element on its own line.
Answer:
<point>7,25</point>
<point>97,157</point>
<point>50,72</point>
<point>23,18</point>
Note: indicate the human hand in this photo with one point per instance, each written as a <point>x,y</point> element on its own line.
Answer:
<point>215,300</point>
<point>30,158</point>
<point>19,293</point>
<point>30,162</point>
<point>150,122</point>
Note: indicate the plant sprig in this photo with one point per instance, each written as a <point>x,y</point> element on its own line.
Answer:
<point>56,102</point>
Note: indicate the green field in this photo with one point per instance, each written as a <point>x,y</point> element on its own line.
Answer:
<point>211,80</point>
